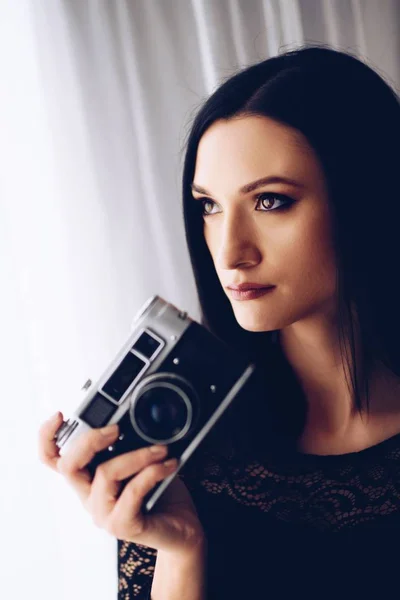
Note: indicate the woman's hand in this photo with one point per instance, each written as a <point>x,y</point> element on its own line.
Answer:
<point>174,528</point>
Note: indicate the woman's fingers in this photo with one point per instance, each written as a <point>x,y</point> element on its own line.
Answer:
<point>106,482</point>
<point>73,463</point>
<point>48,451</point>
<point>126,515</point>
<point>130,463</point>
<point>100,494</point>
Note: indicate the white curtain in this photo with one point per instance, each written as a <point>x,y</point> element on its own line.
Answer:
<point>96,99</point>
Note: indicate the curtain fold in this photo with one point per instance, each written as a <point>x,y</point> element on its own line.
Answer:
<point>96,100</point>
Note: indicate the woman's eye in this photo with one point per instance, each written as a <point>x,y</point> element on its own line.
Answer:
<point>204,203</point>
<point>271,201</point>
<point>267,199</point>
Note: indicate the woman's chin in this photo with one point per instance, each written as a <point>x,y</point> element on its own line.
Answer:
<point>253,318</point>
<point>254,325</point>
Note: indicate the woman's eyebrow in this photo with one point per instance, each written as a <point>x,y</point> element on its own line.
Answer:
<point>250,187</point>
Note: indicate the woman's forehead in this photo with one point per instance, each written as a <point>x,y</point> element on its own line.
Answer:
<point>241,151</point>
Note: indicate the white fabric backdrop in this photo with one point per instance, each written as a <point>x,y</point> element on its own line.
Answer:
<point>96,99</point>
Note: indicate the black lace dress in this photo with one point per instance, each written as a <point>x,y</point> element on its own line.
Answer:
<point>284,526</point>
<point>280,523</point>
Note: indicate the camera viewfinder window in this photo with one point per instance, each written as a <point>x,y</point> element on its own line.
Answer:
<point>98,412</point>
<point>123,376</point>
<point>147,345</point>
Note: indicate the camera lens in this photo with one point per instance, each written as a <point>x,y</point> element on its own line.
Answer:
<point>161,413</point>
<point>163,408</point>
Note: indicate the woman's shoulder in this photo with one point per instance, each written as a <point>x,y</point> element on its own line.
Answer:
<point>324,492</point>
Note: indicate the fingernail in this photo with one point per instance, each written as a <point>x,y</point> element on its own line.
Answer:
<point>55,416</point>
<point>157,450</point>
<point>110,430</point>
<point>172,462</point>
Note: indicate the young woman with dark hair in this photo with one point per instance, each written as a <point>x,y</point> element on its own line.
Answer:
<point>289,191</point>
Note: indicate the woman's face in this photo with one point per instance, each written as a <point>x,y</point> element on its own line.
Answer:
<point>278,234</point>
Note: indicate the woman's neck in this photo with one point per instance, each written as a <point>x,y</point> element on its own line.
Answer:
<point>332,419</point>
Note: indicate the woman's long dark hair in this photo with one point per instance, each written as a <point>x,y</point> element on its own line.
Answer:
<point>351,118</point>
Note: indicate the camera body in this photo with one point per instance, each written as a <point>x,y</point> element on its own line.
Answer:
<point>169,384</point>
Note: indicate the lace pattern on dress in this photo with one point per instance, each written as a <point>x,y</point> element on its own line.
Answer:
<point>327,493</point>
<point>136,565</point>
<point>338,494</point>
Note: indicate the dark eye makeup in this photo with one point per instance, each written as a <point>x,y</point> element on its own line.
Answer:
<point>260,198</point>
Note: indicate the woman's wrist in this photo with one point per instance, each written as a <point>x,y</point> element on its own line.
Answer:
<point>181,576</point>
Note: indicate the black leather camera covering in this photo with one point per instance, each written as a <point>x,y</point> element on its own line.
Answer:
<point>204,360</point>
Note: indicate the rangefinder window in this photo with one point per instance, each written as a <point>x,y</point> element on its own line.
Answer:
<point>147,344</point>
<point>98,412</point>
<point>123,376</point>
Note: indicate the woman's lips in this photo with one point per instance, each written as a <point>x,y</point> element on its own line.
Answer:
<point>249,294</point>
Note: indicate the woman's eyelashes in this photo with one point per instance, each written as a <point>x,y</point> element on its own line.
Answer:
<point>267,200</point>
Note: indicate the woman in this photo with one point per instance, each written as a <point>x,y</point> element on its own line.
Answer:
<point>301,479</point>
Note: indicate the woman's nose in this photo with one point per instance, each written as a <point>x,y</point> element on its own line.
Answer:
<point>236,247</point>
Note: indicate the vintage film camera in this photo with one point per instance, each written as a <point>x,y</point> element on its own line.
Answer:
<point>169,384</point>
